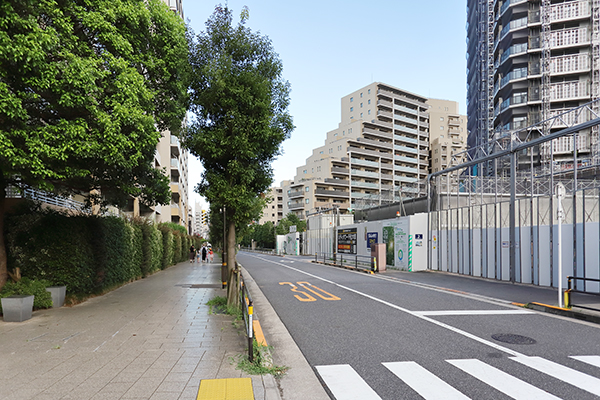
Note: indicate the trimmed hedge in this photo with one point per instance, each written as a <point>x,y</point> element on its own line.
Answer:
<point>89,254</point>
<point>42,299</point>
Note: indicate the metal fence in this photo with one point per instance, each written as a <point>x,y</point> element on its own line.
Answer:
<point>247,314</point>
<point>495,215</point>
<point>363,263</point>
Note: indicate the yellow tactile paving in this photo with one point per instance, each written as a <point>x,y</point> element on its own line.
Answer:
<point>226,389</point>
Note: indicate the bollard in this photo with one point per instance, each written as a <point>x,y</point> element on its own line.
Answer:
<point>567,298</point>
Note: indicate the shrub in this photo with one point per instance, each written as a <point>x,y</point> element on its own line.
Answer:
<point>167,245</point>
<point>26,286</point>
<point>151,247</point>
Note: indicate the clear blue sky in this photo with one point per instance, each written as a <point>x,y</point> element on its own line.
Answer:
<point>330,48</point>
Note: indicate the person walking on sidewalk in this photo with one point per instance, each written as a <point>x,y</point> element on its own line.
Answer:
<point>204,254</point>
<point>192,253</point>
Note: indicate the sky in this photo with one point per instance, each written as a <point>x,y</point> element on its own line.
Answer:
<point>330,48</point>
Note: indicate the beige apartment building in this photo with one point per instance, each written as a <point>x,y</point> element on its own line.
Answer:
<point>447,134</point>
<point>273,211</point>
<point>378,155</point>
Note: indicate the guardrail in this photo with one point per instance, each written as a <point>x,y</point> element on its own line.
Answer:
<point>258,250</point>
<point>568,300</point>
<point>247,314</point>
<point>364,263</point>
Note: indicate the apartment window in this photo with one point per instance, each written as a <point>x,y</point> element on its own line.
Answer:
<point>361,115</point>
<point>361,95</point>
<point>321,152</point>
<point>313,170</point>
<point>306,188</point>
<point>369,91</point>
<point>335,134</point>
<point>441,128</point>
<point>351,99</point>
<point>441,118</point>
<point>305,171</point>
<point>361,105</point>
<point>340,147</point>
<point>289,191</point>
<point>306,201</point>
<point>289,203</point>
<point>351,109</point>
<point>350,130</point>
<point>369,112</point>
<point>330,150</point>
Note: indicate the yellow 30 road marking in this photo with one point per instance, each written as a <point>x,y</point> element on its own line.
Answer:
<point>295,289</point>
<point>311,288</point>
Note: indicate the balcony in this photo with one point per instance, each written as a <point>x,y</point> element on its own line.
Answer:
<point>331,193</point>
<point>375,132</point>
<point>296,206</point>
<point>513,50</point>
<point>407,120</point>
<point>519,73</point>
<point>570,11</point>
<point>341,182</point>
<point>174,163</point>
<point>569,90</point>
<point>373,153</point>
<point>361,184</point>
<point>295,194</point>
<point>572,63</point>
<point>406,159</point>
<point>513,26</point>
<point>405,139</point>
<point>380,123</point>
<point>339,170</point>
<point>406,169</point>
<point>356,172</point>
<point>406,109</point>
<point>364,162</point>
<point>384,103</point>
<point>376,143</point>
<point>405,149</point>
<point>406,129</point>
<point>381,113</point>
<point>508,3</point>
<point>569,37</point>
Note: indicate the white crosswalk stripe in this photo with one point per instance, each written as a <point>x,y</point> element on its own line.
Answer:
<point>565,374</point>
<point>592,360</point>
<point>501,381</point>
<point>424,382</point>
<point>346,384</point>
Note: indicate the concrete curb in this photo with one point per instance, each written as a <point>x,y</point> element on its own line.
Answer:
<point>565,312</point>
<point>300,382</point>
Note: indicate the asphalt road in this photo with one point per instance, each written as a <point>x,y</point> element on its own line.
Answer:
<point>377,337</point>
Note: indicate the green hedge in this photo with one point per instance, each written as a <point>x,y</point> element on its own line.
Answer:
<point>89,254</point>
<point>42,299</point>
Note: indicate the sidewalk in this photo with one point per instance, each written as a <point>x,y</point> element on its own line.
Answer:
<point>151,339</point>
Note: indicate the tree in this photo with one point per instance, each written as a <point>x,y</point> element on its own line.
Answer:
<point>240,104</point>
<point>86,86</point>
<point>283,228</point>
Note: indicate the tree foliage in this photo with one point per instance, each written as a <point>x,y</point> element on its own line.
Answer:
<point>85,88</point>
<point>240,103</point>
<point>283,228</point>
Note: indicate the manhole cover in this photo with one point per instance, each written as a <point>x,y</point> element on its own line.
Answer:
<point>513,339</point>
<point>201,285</point>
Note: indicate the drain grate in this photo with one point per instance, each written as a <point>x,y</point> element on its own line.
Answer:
<point>513,339</point>
<point>200,285</point>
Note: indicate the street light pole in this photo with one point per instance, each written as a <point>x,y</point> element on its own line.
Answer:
<point>224,264</point>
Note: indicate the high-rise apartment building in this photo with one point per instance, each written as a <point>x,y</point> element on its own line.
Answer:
<point>378,155</point>
<point>273,211</point>
<point>528,61</point>
<point>447,134</point>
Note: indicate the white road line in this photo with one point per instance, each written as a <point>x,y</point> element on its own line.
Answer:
<point>560,372</point>
<point>423,317</point>
<point>428,385</point>
<point>345,383</point>
<point>473,312</point>
<point>592,360</point>
<point>501,381</point>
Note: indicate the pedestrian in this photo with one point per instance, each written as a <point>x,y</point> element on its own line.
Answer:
<point>204,254</point>
<point>192,253</point>
<point>198,256</point>
<point>210,254</point>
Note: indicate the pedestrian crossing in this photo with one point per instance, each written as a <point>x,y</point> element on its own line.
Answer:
<point>346,384</point>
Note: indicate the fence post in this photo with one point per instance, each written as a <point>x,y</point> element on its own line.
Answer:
<point>250,331</point>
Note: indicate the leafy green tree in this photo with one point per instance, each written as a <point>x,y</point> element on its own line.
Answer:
<point>283,228</point>
<point>240,104</point>
<point>86,86</point>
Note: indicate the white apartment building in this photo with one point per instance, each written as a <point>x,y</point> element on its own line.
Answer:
<point>273,211</point>
<point>447,134</point>
<point>378,155</point>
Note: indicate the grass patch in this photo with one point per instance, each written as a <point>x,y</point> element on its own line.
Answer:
<point>262,363</point>
<point>218,305</point>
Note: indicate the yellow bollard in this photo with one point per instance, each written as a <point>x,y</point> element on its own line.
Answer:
<point>567,298</point>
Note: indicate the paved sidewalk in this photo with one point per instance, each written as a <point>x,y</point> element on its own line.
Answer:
<point>151,339</point>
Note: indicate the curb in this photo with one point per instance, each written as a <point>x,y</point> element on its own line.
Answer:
<point>565,312</point>
<point>300,382</point>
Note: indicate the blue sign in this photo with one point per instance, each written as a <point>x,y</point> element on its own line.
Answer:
<point>371,238</point>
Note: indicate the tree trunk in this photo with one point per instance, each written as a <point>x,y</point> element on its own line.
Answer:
<point>3,261</point>
<point>233,285</point>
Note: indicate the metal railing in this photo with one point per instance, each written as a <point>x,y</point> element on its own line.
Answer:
<point>247,314</point>
<point>573,289</point>
<point>364,263</point>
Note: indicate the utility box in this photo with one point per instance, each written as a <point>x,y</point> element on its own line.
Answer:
<point>378,251</point>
